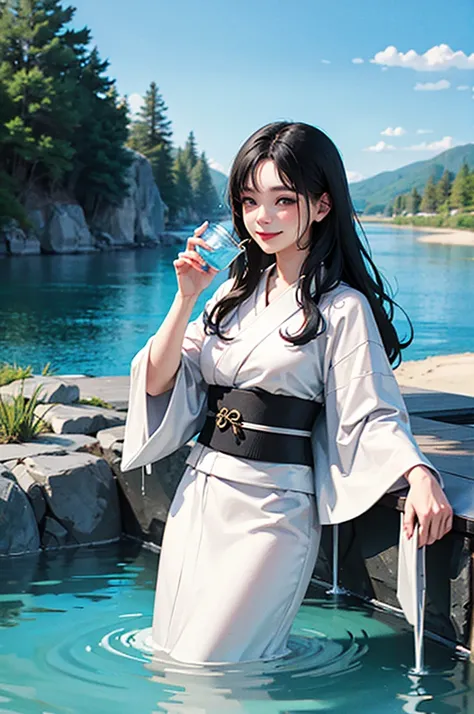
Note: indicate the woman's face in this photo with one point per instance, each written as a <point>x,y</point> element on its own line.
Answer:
<point>274,215</point>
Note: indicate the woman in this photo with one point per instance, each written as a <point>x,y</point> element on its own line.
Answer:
<point>287,376</point>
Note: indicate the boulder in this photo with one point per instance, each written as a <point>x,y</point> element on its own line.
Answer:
<point>18,528</point>
<point>81,419</point>
<point>15,241</point>
<point>47,444</point>
<point>81,494</point>
<point>139,218</point>
<point>32,489</point>
<point>54,534</point>
<point>112,439</point>
<point>61,228</point>
<point>53,390</point>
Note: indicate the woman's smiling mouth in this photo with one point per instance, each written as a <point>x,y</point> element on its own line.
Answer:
<point>267,236</point>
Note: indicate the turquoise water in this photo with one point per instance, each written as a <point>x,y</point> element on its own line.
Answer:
<point>73,638</point>
<point>91,313</point>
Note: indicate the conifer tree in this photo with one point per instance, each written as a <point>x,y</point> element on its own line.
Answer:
<point>152,127</point>
<point>184,191</point>
<point>190,153</point>
<point>413,201</point>
<point>60,123</point>
<point>150,134</point>
<point>429,200</point>
<point>205,195</point>
<point>460,192</point>
<point>443,189</point>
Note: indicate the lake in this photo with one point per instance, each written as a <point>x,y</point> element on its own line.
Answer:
<point>91,313</point>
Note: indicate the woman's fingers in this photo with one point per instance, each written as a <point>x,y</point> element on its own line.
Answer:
<point>434,526</point>
<point>183,260</point>
<point>195,239</point>
<point>192,255</point>
<point>200,230</point>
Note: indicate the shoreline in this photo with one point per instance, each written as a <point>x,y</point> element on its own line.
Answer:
<point>441,236</point>
<point>444,373</point>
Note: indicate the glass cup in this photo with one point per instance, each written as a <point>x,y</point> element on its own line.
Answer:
<point>225,248</point>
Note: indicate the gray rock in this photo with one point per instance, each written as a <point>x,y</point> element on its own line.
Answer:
<point>113,390</point>
<point>112,438</point>
<point>47,444</point>
<point>61,228</point>
<point>81,419</point>
<point>5,471</point>
<point>81,493</point>
<point>17,242</point>
<point>18,528</point>
<point>53,390</point>
<point>140,217</point>
<point>32,489</point>
<point>54,534</point>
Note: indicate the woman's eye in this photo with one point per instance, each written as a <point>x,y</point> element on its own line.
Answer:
<point>246,199</point>
<point>286,201</point>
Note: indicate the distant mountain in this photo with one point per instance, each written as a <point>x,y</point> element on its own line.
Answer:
<point>374,193</point>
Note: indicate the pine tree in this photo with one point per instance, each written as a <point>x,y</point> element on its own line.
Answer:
<point>37,143</point>
<point>429,201</point>
<point>413,201</point>
<point>190,153</point>
<point>184,191</point>
<point>152,128</point>
<point>151,135</point>
<point>397,205</point>
<point>205,196</point>
<point>460,192</point>
<point>443,190</point>
<point>101,165</point>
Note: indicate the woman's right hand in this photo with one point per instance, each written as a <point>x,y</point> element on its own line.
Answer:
<point>192,272</point>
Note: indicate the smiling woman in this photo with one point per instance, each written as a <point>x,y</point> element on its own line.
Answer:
<point>300,419</point>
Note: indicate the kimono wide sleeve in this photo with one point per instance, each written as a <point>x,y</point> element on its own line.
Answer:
<point>156,426</point>
<point>363,444</point>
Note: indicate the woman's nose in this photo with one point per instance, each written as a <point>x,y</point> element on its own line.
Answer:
<point>263,215</point>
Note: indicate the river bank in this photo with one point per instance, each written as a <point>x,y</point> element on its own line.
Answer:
<point>443,373</point>
<point>443,236</point>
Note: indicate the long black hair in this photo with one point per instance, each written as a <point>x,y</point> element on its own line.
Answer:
<point>308,163</point>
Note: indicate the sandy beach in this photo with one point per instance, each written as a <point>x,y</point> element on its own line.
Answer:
<point>445,373</point>
<point>444,236</point>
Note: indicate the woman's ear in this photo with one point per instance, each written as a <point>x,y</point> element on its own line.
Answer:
<point>323,206</point>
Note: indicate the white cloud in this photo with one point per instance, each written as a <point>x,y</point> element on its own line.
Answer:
<point>353,176</point>
<point>325,61</point>
<point>380,146</point>
<point>424,131</point>
<point>439,57</point>
<point>357,60</point>
<point>446,142</point>
<point>463,87</point>
<point>135,102</point>
<point>432,86</point>
<point>217,166</point>
<point>396,131</point>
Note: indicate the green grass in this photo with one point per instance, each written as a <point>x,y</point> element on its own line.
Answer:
<point>18,421</point>
<point>462,221</point>
<point>96,402</point>
<point>11,372</point>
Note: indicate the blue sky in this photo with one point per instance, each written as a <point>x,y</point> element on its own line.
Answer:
<point>226,68</point>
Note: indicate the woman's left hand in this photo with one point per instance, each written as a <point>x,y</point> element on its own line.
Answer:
<point>427,503</point>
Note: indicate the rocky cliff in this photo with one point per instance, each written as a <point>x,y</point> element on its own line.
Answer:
<point>61,226</point>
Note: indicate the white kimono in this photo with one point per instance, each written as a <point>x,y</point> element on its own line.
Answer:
<point>242,536</point>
